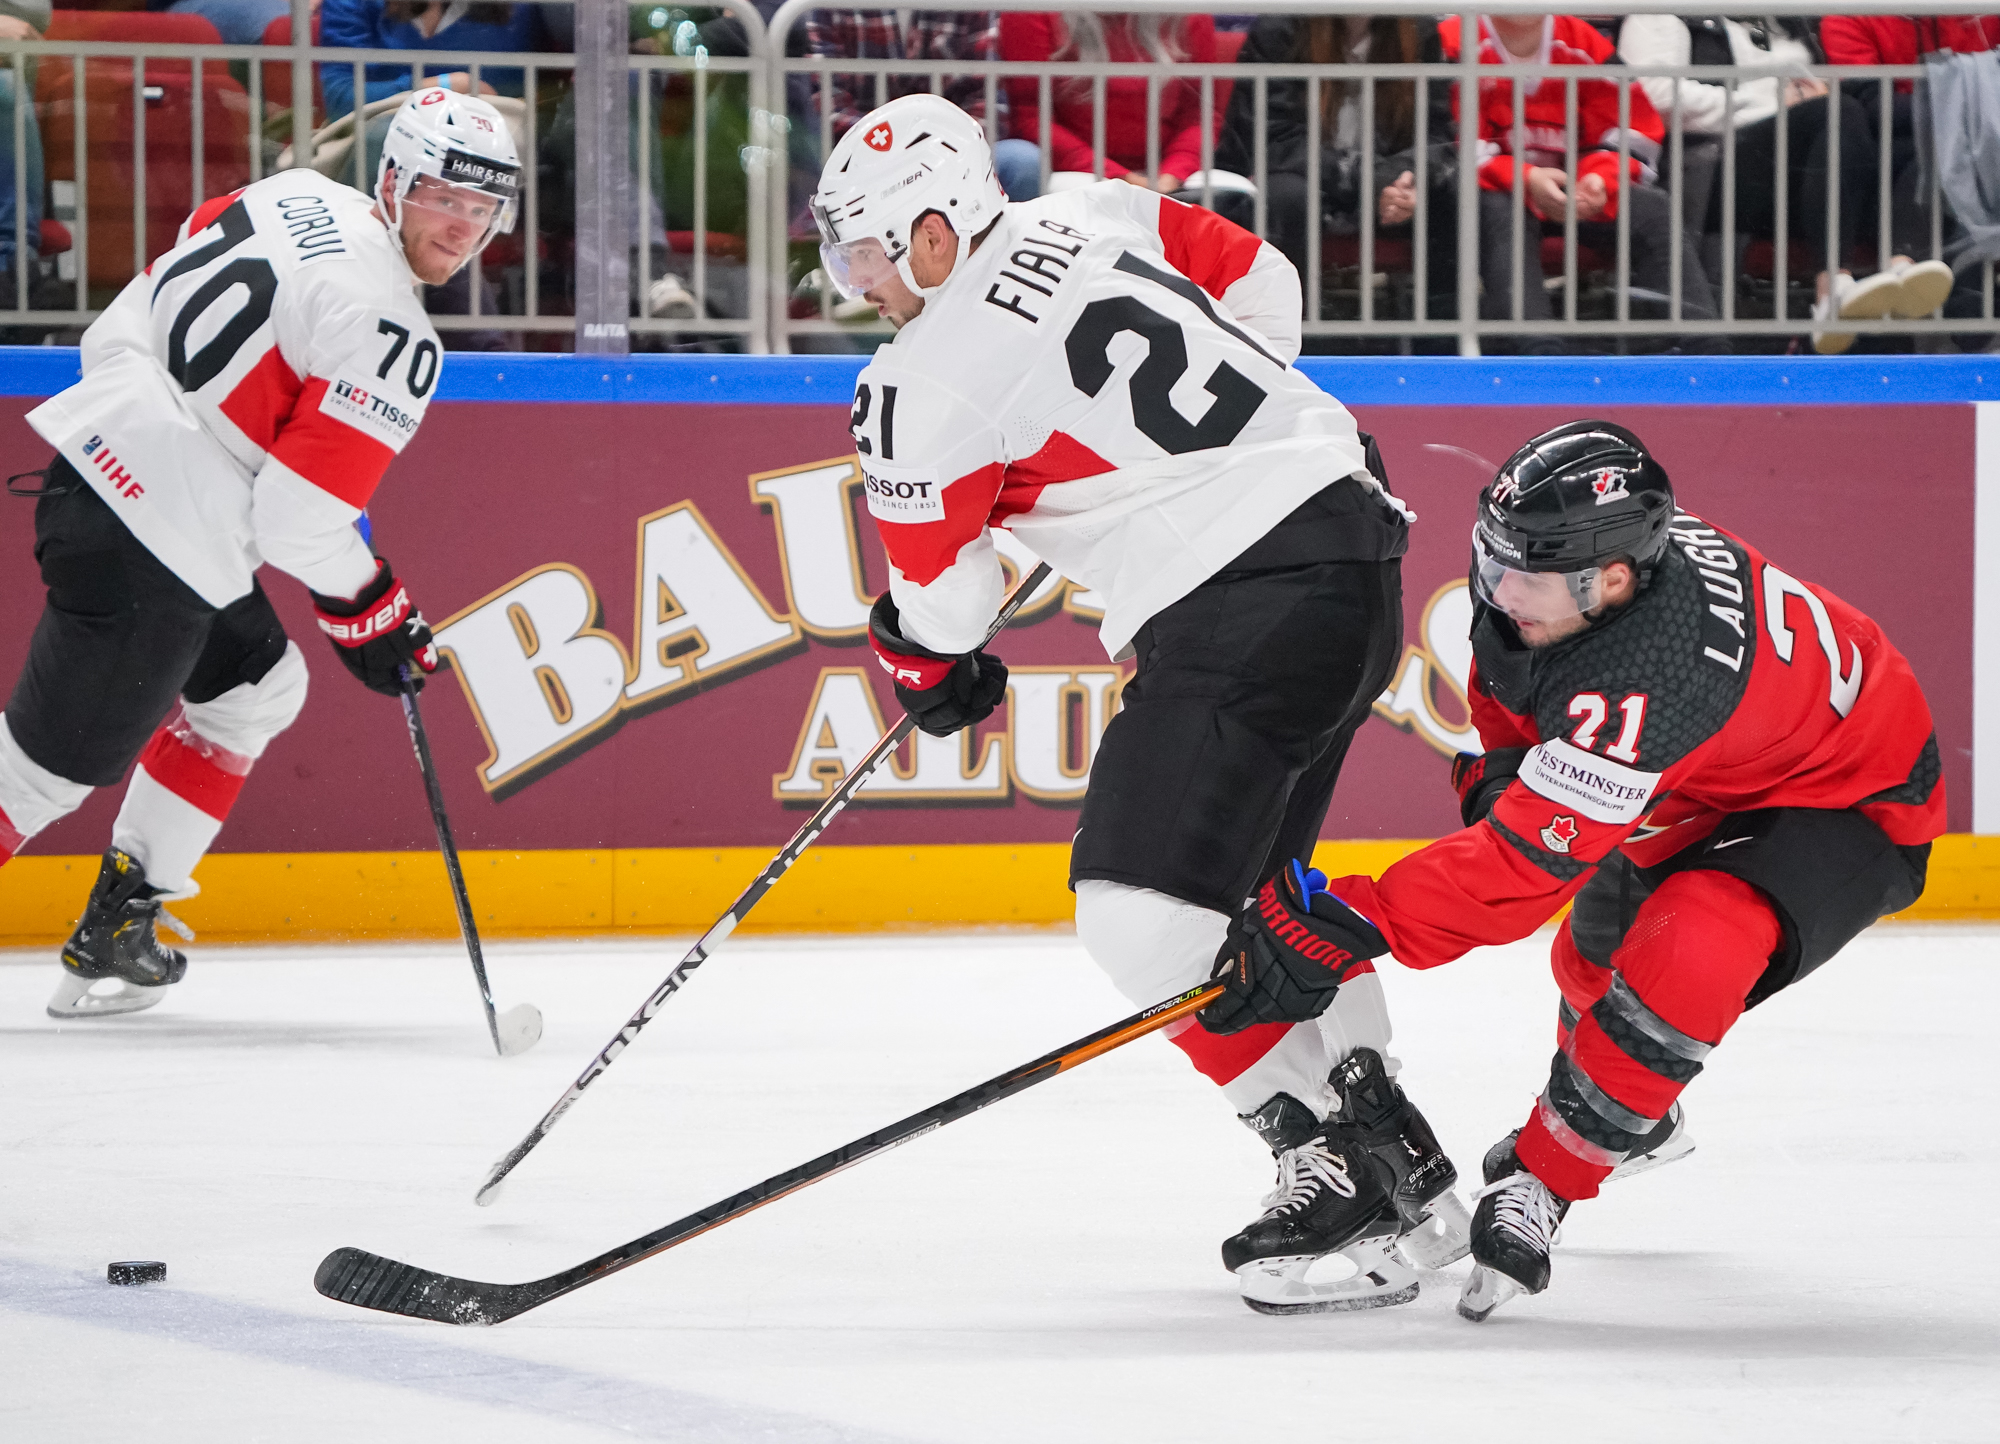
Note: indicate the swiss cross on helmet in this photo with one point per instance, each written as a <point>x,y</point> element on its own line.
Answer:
<point>917,154</point>
<point>458,140</point>
<point>1569,502</point>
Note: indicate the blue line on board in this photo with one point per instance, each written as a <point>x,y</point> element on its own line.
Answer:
<point>1359,381</point>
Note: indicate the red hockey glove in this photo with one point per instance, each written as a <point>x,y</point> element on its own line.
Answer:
<point>379,633</point>
<point>1287,953</point>
<point>1481,777</point>
<point>943,692</point>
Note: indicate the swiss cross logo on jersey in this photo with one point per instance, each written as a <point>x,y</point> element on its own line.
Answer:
<point>879,137</point>
<point>1559,834</point>
<point>1609,486</point>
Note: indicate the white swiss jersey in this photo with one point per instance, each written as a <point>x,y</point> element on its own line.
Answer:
<point>1109,378</point>
<point>241,399</point>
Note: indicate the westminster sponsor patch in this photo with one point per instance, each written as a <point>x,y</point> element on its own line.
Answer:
<point>903,493</point>
<point>1596,787</point>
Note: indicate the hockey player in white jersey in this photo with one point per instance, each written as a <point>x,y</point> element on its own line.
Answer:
<point>1107,374</point>
<point>240,401</point>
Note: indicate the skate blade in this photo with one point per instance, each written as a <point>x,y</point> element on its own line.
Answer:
<point>520,1028</point>
<point>1484,1292</point>
<point>1380,1280</point>
<point>1673,1151</point>
<point>74,997</point>
<point>1443,1238</point>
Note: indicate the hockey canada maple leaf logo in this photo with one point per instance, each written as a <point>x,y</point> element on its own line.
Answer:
<point>1609,486</point>
<point>880,138</point>
<point>1559,834</point>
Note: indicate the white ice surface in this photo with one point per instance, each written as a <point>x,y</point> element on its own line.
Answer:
<point>1823,1267</point>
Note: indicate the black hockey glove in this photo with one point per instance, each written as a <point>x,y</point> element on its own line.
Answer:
<point>942,691</point>
<point>1481,777</point>
<point>379,633</point>
<point>1287,953</point>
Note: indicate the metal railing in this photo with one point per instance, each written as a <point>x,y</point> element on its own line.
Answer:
<point>726,227</point>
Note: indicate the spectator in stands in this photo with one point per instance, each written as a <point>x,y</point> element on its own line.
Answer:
<point>922,35</point>
<point>404,25</point>
<point>239,22</point>
<point>1786,50</point>
<point>1902,40</point>
<point>1086,36</point>
<point>1598,187</point>
<point>1353,40</point>
<point>20,20</point>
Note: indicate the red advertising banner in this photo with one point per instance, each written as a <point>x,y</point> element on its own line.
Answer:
<point>656,617</point>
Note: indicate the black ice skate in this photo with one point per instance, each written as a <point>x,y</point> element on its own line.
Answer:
<point>1433,1226</point>
<point>1331,1197</point>
<point>1515,1226</point>
<point>115,943</point>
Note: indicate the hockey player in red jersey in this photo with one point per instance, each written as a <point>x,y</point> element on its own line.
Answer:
<point>240,401</point>
<point>1106,374</point>
<point>1729,771</point>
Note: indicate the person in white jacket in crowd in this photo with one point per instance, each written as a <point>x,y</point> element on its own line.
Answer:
<point>1787,56</point>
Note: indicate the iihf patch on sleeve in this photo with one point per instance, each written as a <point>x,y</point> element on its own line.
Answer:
<point>389,418</point>
<point>902,493</point>
<point>1600,789</point>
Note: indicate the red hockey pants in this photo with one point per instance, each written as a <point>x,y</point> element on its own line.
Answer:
<point>1633,1035</point>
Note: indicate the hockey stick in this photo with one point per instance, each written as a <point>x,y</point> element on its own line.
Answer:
<point>369,1281</point>
<point>520,1027</point>
<point>738,910</point>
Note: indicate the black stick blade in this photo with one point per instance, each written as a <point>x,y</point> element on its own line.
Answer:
<point>369,1281</point>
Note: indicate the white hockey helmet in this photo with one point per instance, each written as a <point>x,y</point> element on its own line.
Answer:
<point>459,140</point>
<point>916,154</point>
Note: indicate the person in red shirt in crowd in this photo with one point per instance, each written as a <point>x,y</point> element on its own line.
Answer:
<point>1902,40</point>
<point>1120,38</point>
<point>1547,186</point>
<point>1729,771</point>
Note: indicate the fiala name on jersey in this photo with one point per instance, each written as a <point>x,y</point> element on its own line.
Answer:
<point>1046,253</point>
<point>1721,565</point>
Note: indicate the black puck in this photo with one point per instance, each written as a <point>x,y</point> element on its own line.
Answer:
<point>137,1271</point>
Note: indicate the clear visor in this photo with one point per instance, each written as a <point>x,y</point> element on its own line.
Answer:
<point>483,213</point>
<point>1534,596</point>
<point>856,267</point>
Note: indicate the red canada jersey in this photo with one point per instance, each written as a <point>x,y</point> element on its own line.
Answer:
<point>1729,685</point>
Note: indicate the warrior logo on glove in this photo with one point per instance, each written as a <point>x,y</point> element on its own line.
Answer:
<point>1288,952</point>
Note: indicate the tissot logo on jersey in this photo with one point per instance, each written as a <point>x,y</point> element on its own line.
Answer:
<point>361,405</point>
<point>904,494</point>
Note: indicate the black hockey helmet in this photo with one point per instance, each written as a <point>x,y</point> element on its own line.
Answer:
<point>1569,502</point>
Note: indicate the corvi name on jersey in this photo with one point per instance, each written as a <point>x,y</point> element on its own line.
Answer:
<point>358,405</point>
<point>1602,790</point>
<point>904,494</point>
<point>313,227</point>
